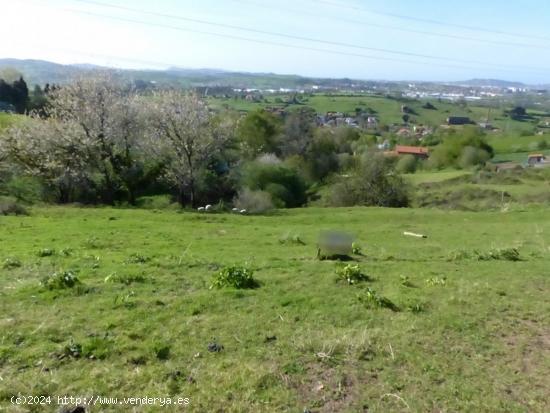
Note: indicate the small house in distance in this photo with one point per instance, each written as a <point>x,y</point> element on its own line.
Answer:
<point>459,120</point>
<point>536,159</point>
<point>416,151</point>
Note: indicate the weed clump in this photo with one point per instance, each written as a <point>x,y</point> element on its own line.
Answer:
<point>162,351</point>
<point>502,254</point>
<point>235,276</point>
<point>11,263</point>
<point>436,281</point>
<point>352,274</point>
<point>137,258</point>
<point>371,299</point>
<point>415,306</point>
<point>125,278</point>
<point>60,281</point>
<point>45,252</point>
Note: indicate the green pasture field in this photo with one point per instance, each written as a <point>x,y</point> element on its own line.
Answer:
<point>388,110</point>
<point>456,322</point>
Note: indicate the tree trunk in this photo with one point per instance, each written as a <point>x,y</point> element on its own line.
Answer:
<point>181,196</point>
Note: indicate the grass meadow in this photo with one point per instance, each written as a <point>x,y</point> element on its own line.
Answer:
<point>459,321</point>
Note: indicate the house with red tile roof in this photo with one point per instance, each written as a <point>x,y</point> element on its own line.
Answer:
<point>418,151</point>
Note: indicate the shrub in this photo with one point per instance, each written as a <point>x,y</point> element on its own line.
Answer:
<point>24,188</point>
<point>351,273</point>
<point>372,299</point>
<point>356,248</point>
<point>9,206</point>
<point>155,202</point>
<point>254,202</point>
<point>60,280</point>
<point>234,276</point>
<point>406,164</point>
<point>374,184</point>
<point>468,149</point>
<point>473,156</point>
<point>286,186</point>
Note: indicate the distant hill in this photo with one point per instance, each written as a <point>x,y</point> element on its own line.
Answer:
<point>42,72</point>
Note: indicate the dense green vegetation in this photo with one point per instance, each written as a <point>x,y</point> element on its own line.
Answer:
<point>118,302</point>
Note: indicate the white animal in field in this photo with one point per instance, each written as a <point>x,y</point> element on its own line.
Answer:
<point>208,208</point>
<point>242,211</point>
<point>200,209</point>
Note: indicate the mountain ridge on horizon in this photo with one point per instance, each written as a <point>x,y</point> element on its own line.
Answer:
<point>40,72</point>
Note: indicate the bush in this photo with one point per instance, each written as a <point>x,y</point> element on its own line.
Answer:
<point>407,164</point>
<point>155,202</point>
<point>286,186</point>
<point>10,206</point>
<point>24,188</point>
<point>235,276</point>
<point>60,280</point>
<point>254,202</point>
<point>468,149</point>
<point>473,156</point>
<point>374,184</point>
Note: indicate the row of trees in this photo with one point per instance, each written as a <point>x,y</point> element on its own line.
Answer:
<point>98,140</point>
<point>15,95</point>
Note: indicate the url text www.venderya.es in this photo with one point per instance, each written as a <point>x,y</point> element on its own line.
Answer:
<point>100,401</point>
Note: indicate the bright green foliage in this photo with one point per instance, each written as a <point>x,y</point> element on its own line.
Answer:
<point>235,276</point>
<point>351,273</point>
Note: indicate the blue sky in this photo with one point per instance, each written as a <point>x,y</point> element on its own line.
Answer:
<point>390,39</point>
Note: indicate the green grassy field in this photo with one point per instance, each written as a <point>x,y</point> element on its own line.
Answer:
<point>467,335</point>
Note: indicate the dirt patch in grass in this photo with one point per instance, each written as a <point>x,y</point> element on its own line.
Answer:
<point>328,389</point>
